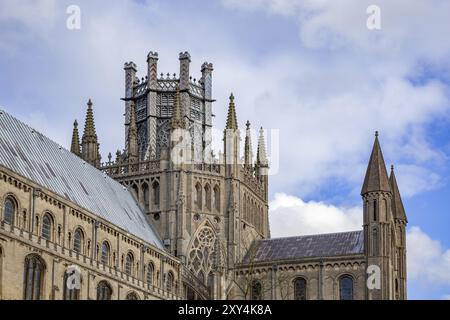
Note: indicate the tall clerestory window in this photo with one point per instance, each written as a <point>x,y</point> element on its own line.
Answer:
<point>216,202</point>
<point>170,282</point>
<point>198,196</point>
<point>150,272</point>
<point>33,278</point>
<point>155,187</point>
<point>78,241</point>
<point>208,197</point>
<point>105,253</point>
<point>129,261</point>
<point>256,290</point>
<point>300,289</point>
<point>46,231</point>
<point>346,288</point>
<point>9,211</point>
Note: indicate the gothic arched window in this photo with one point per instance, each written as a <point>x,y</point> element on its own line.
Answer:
<point>46,231</point>
<point>346,288</point>
<point>105,253</point>
<point>146,195</point>
<point>132,296</point>
<point>201,251</point>
<point>78,241</point>
<point>70,293</point>
<point>169,282</point>
<point>33,278</point>
<point>198,195</point>
<point>150,272</point>
<point>299,289</point>
<point>104,291</point>
<point>208,197</point>
<point>9,211</point>
<point>256,292</point>
<point>155,187</point>
<point>216,202</point>
<point>129,261</point>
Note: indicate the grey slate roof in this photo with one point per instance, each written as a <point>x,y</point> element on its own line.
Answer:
<point>36,157</point>
<point>301,247</point>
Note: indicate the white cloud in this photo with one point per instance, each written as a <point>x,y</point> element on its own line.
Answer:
<point>416,179</point>
<point>326,102</point>
<point>428,262</point>
<point>290,216</point>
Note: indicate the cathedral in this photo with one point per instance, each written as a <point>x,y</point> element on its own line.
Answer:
<point>165,218</point>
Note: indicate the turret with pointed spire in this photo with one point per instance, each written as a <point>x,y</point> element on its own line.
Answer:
<point>89,142</point>
<point>400,221</point>
<point>377,197</point>
<point>232,142</point>
<point>248,153</point>
<point>376,175</point>
<point>398,211</point>
<point>133,149</point>
<point>75,147</point>
<point>231,118</point>
<point>261,156</point>
<point>262,164</point>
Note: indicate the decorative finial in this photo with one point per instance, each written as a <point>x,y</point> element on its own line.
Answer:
<point>392,167</point>
<point>89,103</point>
<point>376,133</point>
<point>75,124</point>
<point>232,97</point>
<point>248,124</point>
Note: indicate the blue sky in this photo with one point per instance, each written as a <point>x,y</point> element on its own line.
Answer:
<point>310,69</point>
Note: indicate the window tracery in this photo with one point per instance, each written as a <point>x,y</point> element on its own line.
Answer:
<point>202,251</point>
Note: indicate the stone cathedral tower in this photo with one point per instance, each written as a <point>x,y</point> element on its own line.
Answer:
<point>212,213</point>
<point>206,210</point>
<point>384,227</point>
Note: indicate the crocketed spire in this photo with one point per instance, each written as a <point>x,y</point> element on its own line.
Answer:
<point>397,204</point>
<point>75,147</point>
<point>177,118</point>
<point>248,154</point>
<point>89,134</point>
<point>376,175</point>
<point>231,119</point>
<point>261,157</point>
<point>89,145</point>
